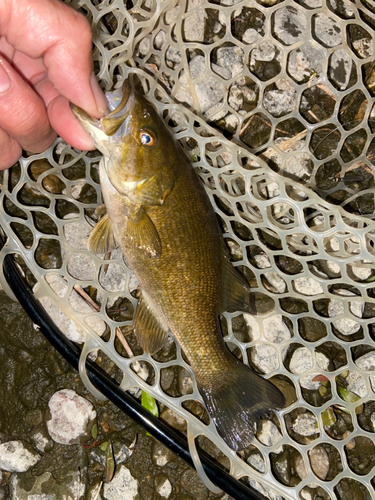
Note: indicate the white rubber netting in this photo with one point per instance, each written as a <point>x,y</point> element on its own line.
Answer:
<point>273,102</point>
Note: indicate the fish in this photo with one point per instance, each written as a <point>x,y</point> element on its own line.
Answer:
<point>159,214</point>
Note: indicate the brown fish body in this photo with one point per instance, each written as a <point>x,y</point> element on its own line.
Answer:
<point>160,215</point>
<point>183,285</point>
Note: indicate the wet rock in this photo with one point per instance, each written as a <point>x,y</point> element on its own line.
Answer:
<point>163,486</point>
<point>367,361</point>
<point>319,461</point>
<point>327,30</point>
<point>269,434</point>
<point>193,485</point>
<point>275,330</point>
<point>42,441</point>
<point>17,456</point>
<point>123,485</point>
<point>160,454</point>
<point>308,286</point>
<point>301,361</point>
<point>209,91</point>
<point>174,420</point>
<point>280,102</point>
<point>72,417</point>
<point>340,68</point>
<point>264,357</point>
<point>305,425</point>
<point>121,453</point>
<point>356,384</point>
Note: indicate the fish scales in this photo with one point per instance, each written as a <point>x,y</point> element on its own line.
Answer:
<point>161,217</point>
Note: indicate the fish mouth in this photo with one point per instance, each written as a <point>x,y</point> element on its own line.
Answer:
<point>114,125</point>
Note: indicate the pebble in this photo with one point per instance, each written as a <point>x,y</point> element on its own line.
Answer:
<point>305,425</point>
<point>307,286</point>
<point>276,283</point>
<point>270,434</point>
<point>356,384</point>
<point>319,461</point>
<point>279,102</point>
<point>209,91</point>
<point>163,486</point>
<point>257,462</point>
<point>367,361</point>
<point>123,485</point>
<point>327,30</point>
<point>72,417</point>
<point>290,25</point>
<point>160,454</point>
<point>264,357</point>
<point>17,456</point>
<point>174,420</point>
<point>340,68</point>
<point>298,166</point>
<point>231,58</point>
<point>275,330</point>
<point>301,361</point>
<point>194,23</point>
<point>304,60</point>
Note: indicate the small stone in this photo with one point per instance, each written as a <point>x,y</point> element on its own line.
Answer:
<point>367,361</point>
<point>322,361</point>
<point>17,456</point>
<point>307,286</point>
<point>356,384</point>
<point>270,434</point>
<point>174,420</point>
<point>340,68</point>
<point>256,461</point>
<point>276,282</point>
<point>163,486</point>
<point>327,30</point>
<point>305,61</point>
<point>209,91</point>
<point>305,425</point>
<point>41,439</point>
<point>160,40</point>
<point>275,330</point>
<point>160,454</point>
<point>290,25</point>
<point>194,24</point>
<point>72,417</point>
<point>319,461</point>
<point>301,361</point>
<point>279,103</point>
<point>265,358</point>
<point>251,36</point>
<point>308,383</point>
<point>231,58</point>
<point>123,485</point>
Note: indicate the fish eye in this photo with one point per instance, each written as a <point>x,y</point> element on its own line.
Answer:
<point>147,138</point>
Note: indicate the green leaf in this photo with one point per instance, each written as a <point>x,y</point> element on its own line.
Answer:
<point>104,446</point>
<point>149,403</point>
<point>109,464</point>
<point>328,417</point>
<point>94,431</point>
<point>346,395</point>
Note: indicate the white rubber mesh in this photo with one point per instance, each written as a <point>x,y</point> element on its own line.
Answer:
<point>294,190</point>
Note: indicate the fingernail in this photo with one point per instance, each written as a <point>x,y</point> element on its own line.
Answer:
<point>4,79</point>
<point>100,100</point>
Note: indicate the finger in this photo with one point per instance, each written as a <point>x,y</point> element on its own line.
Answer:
<point>23,114</point>
<point>62,37</point>
<point>60,115</point>
<point>10,150</point>
<point>67,126</point>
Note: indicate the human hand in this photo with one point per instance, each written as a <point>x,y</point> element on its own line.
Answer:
<point>45,62</point>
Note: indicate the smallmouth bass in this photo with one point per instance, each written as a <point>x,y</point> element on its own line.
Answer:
<point>159,214</point>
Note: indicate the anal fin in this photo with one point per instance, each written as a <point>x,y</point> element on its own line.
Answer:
<point>148,329</point>
<point>236,294</point>
<point>102,238</point>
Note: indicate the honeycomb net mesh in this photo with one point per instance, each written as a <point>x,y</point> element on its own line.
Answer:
<point>273,103</point>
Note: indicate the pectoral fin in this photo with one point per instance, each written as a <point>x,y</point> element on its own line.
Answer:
<point>102,237</point>
<point>149,331</point>
<point>142,234</point>
<point>236,291</point>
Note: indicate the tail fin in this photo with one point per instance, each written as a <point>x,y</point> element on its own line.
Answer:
<point>237,399</point>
